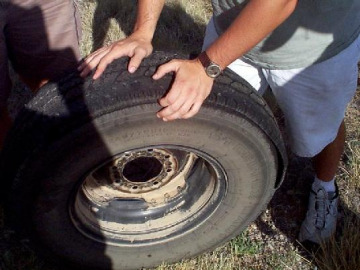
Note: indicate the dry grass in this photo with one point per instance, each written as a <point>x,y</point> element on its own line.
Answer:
<point>342,251</point>
<point>180,28</point>
<point>350,167</point>
<point>270,242</point>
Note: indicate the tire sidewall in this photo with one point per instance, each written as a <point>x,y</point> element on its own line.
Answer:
<point>239,146</point>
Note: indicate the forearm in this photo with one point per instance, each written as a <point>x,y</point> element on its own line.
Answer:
<point>254,23</point>
<point>148,13</point>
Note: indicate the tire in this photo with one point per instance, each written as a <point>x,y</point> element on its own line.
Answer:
<point>95,180</point>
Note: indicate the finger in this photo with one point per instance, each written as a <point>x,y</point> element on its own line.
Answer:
<point>82,65</point>
<point>183,110</point>
<point>168,114</point>
<point>171,109</point>
<point>193,110</point>
<point>173,65</point>
<point>135,61</point>
<point>170,98</point>
<point>180,107</point>
<point>172,117</point>
<point>173,95</point>
<point>92,62</point>
<point>90,57</point>
<point>106,60</point>
<point>182,104</point>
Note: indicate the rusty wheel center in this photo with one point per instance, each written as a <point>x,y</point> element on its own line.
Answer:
<point>146,194</point>
<point>142,169</point>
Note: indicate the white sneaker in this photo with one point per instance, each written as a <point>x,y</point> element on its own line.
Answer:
<point>320,222</point>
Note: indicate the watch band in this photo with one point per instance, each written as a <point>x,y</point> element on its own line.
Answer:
<point>212,69</point>
<point>204,59</point>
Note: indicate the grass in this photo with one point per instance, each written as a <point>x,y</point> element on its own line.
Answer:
<point>268,243</point>
<point>343,251</point>
<point>181,22</point>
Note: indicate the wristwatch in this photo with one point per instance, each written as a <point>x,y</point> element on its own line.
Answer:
<point>212,69</point>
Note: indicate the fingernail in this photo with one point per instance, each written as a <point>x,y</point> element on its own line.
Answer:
<point>132,69</point>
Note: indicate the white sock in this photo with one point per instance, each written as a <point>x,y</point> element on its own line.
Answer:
<point>329,186</point>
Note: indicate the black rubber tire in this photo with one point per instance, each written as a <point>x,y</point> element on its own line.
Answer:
<point>73,125</point>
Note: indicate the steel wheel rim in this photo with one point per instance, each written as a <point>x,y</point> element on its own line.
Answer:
<point>114,206</point>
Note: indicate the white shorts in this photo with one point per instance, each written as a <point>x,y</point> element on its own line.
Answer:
<point>313,99</point>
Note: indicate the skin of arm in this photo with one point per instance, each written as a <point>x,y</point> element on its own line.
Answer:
<point>258,19</point>
<point>137,46</point>
<point>191,86</point>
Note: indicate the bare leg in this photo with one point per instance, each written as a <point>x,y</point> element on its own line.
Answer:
<point>320,225</point>
<point>327,161</point>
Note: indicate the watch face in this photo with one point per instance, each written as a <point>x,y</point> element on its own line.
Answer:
<point>213,70</point>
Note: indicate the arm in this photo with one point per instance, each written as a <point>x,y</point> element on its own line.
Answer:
<point>258,19</point>
<point>137,46</point>
<point>192,85</point>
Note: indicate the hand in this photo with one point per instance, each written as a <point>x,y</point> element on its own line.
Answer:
<point>135,46</point>
<point>188,91</point>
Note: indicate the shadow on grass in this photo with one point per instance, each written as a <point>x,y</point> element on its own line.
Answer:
<point>176,30</point>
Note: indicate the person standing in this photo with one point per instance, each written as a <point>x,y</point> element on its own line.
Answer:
<point>41,41</point>
<point>306,51</point>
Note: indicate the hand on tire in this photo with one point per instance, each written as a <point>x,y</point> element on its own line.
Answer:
<point>135,47</point>
<point>188,91</point>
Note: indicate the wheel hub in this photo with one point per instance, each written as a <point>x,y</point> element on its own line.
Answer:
<point>143,171</point>
<point>146,194</point>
